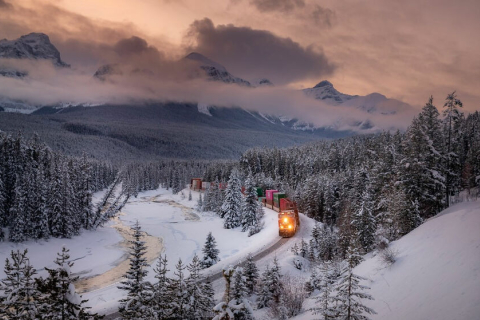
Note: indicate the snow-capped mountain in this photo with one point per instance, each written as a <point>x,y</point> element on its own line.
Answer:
<point>325,91</point>
<point>33,46</point>
<point>215,71</point>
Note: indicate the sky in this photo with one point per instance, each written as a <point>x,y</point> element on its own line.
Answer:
<point>406,50</point>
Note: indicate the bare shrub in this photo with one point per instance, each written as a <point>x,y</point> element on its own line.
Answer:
<point>388,256</point>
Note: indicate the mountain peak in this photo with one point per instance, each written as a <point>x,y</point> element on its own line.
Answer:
<point>324,83</point>
<point>32,46</point>
<point>204,61</point>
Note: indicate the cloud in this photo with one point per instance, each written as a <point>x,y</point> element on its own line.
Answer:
<point>251,53</point>
<point>277,5</point>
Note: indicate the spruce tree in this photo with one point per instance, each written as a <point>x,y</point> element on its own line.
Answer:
<point>364,222</point>
<point>20,297</point>
<point>200,303</point>
<point>232,204</point>
<point>225,310</point>
<point>350,293</point>
<point>178,291</point>
<point>134,305</point>
<point>451,119</point>
<point>249,206</point>
<point>210,252</point>
<point>272,286</point>
<point>251,274</point>
<point>239,294</point>
<point>161,299</point>
<point>325,301</point>
<point>59,300</point>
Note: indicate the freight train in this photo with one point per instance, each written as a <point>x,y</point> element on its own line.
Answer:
<point>288,218</point>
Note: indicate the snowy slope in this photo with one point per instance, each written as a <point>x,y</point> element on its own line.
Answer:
<point>437,272</point>
<point>325,91</point>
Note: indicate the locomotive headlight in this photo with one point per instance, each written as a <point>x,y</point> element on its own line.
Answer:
<point>290,226</point>
<point>281,227</point>
<point>285,220</point>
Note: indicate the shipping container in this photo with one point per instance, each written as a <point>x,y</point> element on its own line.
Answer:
<point>286,204</point>
<point>195,183</point>
<point>260,199</point>
<point>205,185</point>
<point>259,192</point>
<point>269,194</point>
<point>279,195</point>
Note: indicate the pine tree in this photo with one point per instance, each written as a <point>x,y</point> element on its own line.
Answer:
<point>232,205</point>
<point>249,206</point>
<point>258,224</point>
<point>161,300</point>
<point>350,293</point>
<point>451,119</point>
<point>178,291</point>
<point>239,293</point>
<point>200,304</point>
<point>59,300</point>
<point>19,292</point>
<point>251,274</point>
<point>272,286</point>
<point>189,195</point>
<point>134,305</point>
<point>18,213</point>
<point>325,301</point>
<point>364,222</point>
<point>200,206</point>
<point>210,252</point>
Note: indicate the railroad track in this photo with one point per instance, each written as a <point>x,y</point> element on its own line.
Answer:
<point>218,275</point>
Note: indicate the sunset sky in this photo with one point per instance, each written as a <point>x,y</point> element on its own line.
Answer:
<point>407,50</point>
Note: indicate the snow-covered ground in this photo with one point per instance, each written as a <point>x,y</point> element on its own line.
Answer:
<point>437,272</point>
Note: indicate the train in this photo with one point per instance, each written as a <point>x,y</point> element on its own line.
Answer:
<point>288,218</point>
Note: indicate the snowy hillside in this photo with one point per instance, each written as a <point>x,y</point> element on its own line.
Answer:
<point>437,272</point>
<point>325,91</point>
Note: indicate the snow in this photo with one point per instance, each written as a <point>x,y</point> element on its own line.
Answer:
<point>437,272</point>
<point>163,216</point>
<point>204,108</point>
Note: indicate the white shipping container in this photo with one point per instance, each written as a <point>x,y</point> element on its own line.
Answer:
<point>205,185</point>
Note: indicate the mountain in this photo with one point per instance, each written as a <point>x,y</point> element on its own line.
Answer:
<point>34,46</point>
<point>325,91</point>
<point>215,71</point>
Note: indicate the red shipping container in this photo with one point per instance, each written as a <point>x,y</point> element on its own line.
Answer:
<point>269,194</point>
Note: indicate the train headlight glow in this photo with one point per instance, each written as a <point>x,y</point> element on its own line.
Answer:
<point>290,226</point>
<point>285,220</point>
<point>281,227</point>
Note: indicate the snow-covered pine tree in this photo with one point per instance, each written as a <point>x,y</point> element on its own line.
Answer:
<point>200,206</point>
<point>200,305</point>
<point>19,294</point>
<point>18,213</point>
<point>189,195</point>
<point>176,183</point>
<point>251,274</point>
<point>271,286</point>
<point>160,303</point>
<point>259,224</point>
<point>232,204</point>
<point>239,294</point>
<point>59,300</point>
<point>325,301</point>
<point>350,293</point>
<point>249,206</point>
<point>364,221</point>
<point>210,252</point>
<point>135,304</point>
<point>303,248</point>
<point>178,292</point>
<point>209,294</point>
<point>452,117</point>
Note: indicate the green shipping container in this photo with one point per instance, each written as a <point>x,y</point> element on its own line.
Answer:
<point>259,192</point>
<point>260,199</point>
<point>277,196</point>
